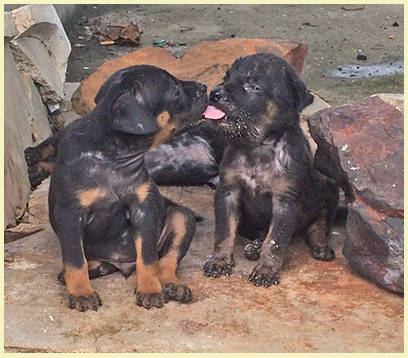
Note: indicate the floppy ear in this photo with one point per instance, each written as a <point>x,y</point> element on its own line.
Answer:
<point>301,94</point>
<point>111,85</point>
<point>129,116</point>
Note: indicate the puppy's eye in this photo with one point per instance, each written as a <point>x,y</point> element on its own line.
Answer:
<point>251,87</point>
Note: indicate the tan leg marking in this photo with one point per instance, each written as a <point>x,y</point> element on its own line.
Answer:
<point>316,233</point>
<point>47,151</point>
<point>77,280</point>
<point>47,167</point>
<point>168,263</point>
<point>89,196</point>
<point>147,276</point>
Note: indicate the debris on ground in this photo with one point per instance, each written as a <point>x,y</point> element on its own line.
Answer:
<point>350,8</point>
<point>362,57</point>
<point>121,35</point>
<point>159,43</point>
<point>309,24</point>
<point>358,71</point>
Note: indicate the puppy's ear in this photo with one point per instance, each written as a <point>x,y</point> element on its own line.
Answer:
<point>109,87</point>
<point>130,116</point>
<point>301,94</point>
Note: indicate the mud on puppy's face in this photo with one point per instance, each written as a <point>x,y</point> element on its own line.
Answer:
<point>259,94</point>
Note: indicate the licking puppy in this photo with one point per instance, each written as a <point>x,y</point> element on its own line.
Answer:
<point>106,211</point>
<point>269,189</point>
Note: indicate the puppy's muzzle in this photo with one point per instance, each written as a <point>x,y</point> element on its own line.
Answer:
<point>216,94</point>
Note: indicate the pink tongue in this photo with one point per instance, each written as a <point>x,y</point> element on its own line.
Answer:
<point>213,113</point>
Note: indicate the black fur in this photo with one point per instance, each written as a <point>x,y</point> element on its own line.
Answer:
<point>268,188</point>
<point>102,202</point>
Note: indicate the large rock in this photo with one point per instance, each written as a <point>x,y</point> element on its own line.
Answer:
<point>41,48</point>
<point>205,62</point>
<point>9,28</point>
<point>375,246</point>
<point>66,115</point>
<point>26,123</point>
<point>360,145</point>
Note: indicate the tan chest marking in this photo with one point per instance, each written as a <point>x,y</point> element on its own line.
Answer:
<point>89,196</point>
<point>142,191</point>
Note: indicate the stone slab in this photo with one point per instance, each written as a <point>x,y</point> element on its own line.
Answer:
<point>205,62</point>
<point>41,48</point>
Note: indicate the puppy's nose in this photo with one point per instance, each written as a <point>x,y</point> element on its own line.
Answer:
<point>216,94</point>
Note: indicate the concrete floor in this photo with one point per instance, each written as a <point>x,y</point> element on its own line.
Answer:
<point>318,307</point>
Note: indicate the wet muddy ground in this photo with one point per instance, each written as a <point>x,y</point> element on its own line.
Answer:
<point>335,34</point>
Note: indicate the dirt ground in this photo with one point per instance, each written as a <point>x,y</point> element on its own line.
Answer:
<point>318,307</point>
<point>335,34</point>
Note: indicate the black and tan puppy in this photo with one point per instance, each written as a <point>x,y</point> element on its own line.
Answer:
<point>268,188</point>
<point>106,211</point>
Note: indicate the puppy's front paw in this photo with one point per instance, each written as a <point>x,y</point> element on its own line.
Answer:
<point>175,292</point>
<point>323,253</point>
<point>264,275</point>
<point>215,267</point>
<point>82,303</point>
<point>149,300</point>
<point>252,251</point>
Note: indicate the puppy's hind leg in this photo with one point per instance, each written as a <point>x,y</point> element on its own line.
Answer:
<point>40,159</point>
<point>318,236</point>
<point>226,224</point>
<point>318,233</point>
<point>179,232</point>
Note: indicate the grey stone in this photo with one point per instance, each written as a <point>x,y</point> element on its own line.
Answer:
<point>394,99</point>
<point>9,28</point>
<point>41,48</point>
<point>360,146</point>
<point>17,137</point>
<point>25,124</point>
<point>66,114</point>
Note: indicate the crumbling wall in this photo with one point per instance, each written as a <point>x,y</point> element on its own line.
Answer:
<point>36,50</point>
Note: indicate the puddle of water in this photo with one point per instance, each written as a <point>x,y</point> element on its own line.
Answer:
<point>358,71</point>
